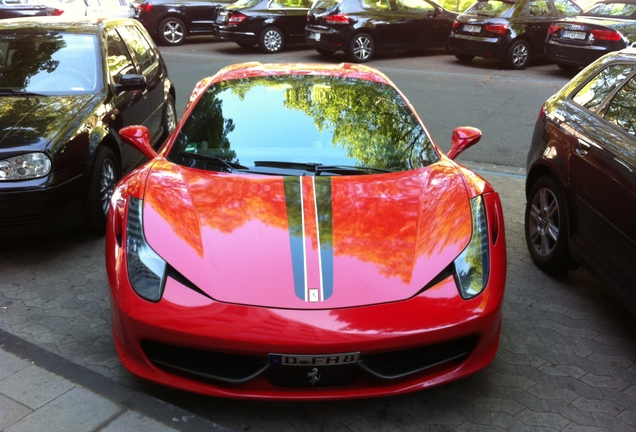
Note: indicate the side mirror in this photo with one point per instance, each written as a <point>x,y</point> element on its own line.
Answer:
<point>130,82</point>
<point>139,138</point>
<point>463,138</point>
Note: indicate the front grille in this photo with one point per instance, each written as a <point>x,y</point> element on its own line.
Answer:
<point>234,369</point>
<point>206,365</point>
<point>398,364</point>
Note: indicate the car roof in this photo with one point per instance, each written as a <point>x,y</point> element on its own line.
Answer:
<point>59,23</point>
<point>344,70</point>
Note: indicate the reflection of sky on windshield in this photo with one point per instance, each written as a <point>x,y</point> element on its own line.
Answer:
<point>256,137</point>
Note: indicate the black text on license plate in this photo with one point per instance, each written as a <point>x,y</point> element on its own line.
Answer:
<point>471,28</point>
<point>314,360</point>
<point>573,34</point>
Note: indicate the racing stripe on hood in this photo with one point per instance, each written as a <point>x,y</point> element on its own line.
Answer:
<point>309,217</point>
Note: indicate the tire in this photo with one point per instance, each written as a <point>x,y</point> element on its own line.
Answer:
<point>169,121</point>
<point>105,175</point>
<point>546,227</point>
<point>172,31</point>
<point>361,48</point>
<point>271,40</point>
<point>464,58</point>
<point>518,55</point>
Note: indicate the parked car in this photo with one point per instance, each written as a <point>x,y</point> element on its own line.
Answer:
<point>301,236</point>
<point>607,26</point>
<point>170,22</point>
<point>510,30</point>
<point>581,176</point>
<point>23,8</point>
<point>270,24</point>
<point>66,88</point>
<point>361,28</point>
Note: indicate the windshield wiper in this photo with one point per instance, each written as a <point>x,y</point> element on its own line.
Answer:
<point>13,92</point>
<point>229,166</point>
<point>318,168</point>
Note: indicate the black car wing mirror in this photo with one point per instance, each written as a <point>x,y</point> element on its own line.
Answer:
<point>130,82</point>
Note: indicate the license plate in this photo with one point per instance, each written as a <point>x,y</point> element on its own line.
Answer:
<point>569,34</point>
<point>314,36</point>
<point>314,360</point>
<point>471,28</point>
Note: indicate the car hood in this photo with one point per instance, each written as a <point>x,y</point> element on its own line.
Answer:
<point>307,242</point>
<point>33,121</point>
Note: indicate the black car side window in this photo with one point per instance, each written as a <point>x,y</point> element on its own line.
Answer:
<point>538,8</point>
<point>119,61</point>
<point>622,109</point>
<point>566,8</point>
<point>145,55</point>
<point>596,90</point>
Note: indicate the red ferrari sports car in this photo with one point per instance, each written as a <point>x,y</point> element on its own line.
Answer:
<point>300,236</point>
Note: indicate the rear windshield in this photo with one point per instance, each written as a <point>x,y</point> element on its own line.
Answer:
<point>325,5</point>
<point>617,10</point>
<point>304,119</point>
<point>491,8</point>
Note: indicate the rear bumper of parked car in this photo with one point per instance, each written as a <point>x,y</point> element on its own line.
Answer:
<point>568,54</point>
<point>233,34</point>
<point>327,39</point>
<point>478,46</point>
<point>37,209</point>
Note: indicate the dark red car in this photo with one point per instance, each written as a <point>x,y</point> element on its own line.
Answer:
<point>581,176</point>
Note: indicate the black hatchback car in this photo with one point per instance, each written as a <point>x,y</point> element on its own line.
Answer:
<point>609,25</point>
<point>361,28</point>
<point>66,89</point>
<point>510,30</point>
<point>581,176</point>
<point>170,22</point>
<point>270,24</point>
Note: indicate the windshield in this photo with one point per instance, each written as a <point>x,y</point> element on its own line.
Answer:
<point>491,8</point>
<point>300,119</point>
<point>49,62</point>
<point>618,10</point>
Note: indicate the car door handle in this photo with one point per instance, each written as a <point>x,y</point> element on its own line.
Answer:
<point>582,147</point>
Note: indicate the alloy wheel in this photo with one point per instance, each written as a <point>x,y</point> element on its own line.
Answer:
<point>544,222</point>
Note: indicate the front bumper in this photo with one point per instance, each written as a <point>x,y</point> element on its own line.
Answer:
<point>189,341</point>
<point>35,207</point>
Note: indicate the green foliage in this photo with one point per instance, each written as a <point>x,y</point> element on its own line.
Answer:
<point>456,5</point>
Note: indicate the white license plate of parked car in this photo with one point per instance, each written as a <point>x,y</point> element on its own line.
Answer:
<point>314,360</point>
<point>569,34</point>
<point>471,28</point>
<point>314,36</point>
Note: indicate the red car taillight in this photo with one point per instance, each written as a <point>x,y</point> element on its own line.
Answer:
<point>498,29</point>
<point>456,24</point>
<point>236,18</point>
<point>553,28</point>
<point>57,12</point>
<point>338,19</point>
<point>606,35</point>
<point>144,7</point>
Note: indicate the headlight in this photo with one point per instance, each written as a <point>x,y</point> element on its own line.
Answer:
<point>472,267</point>
<point>146,269</point>
<point>26,166</point>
